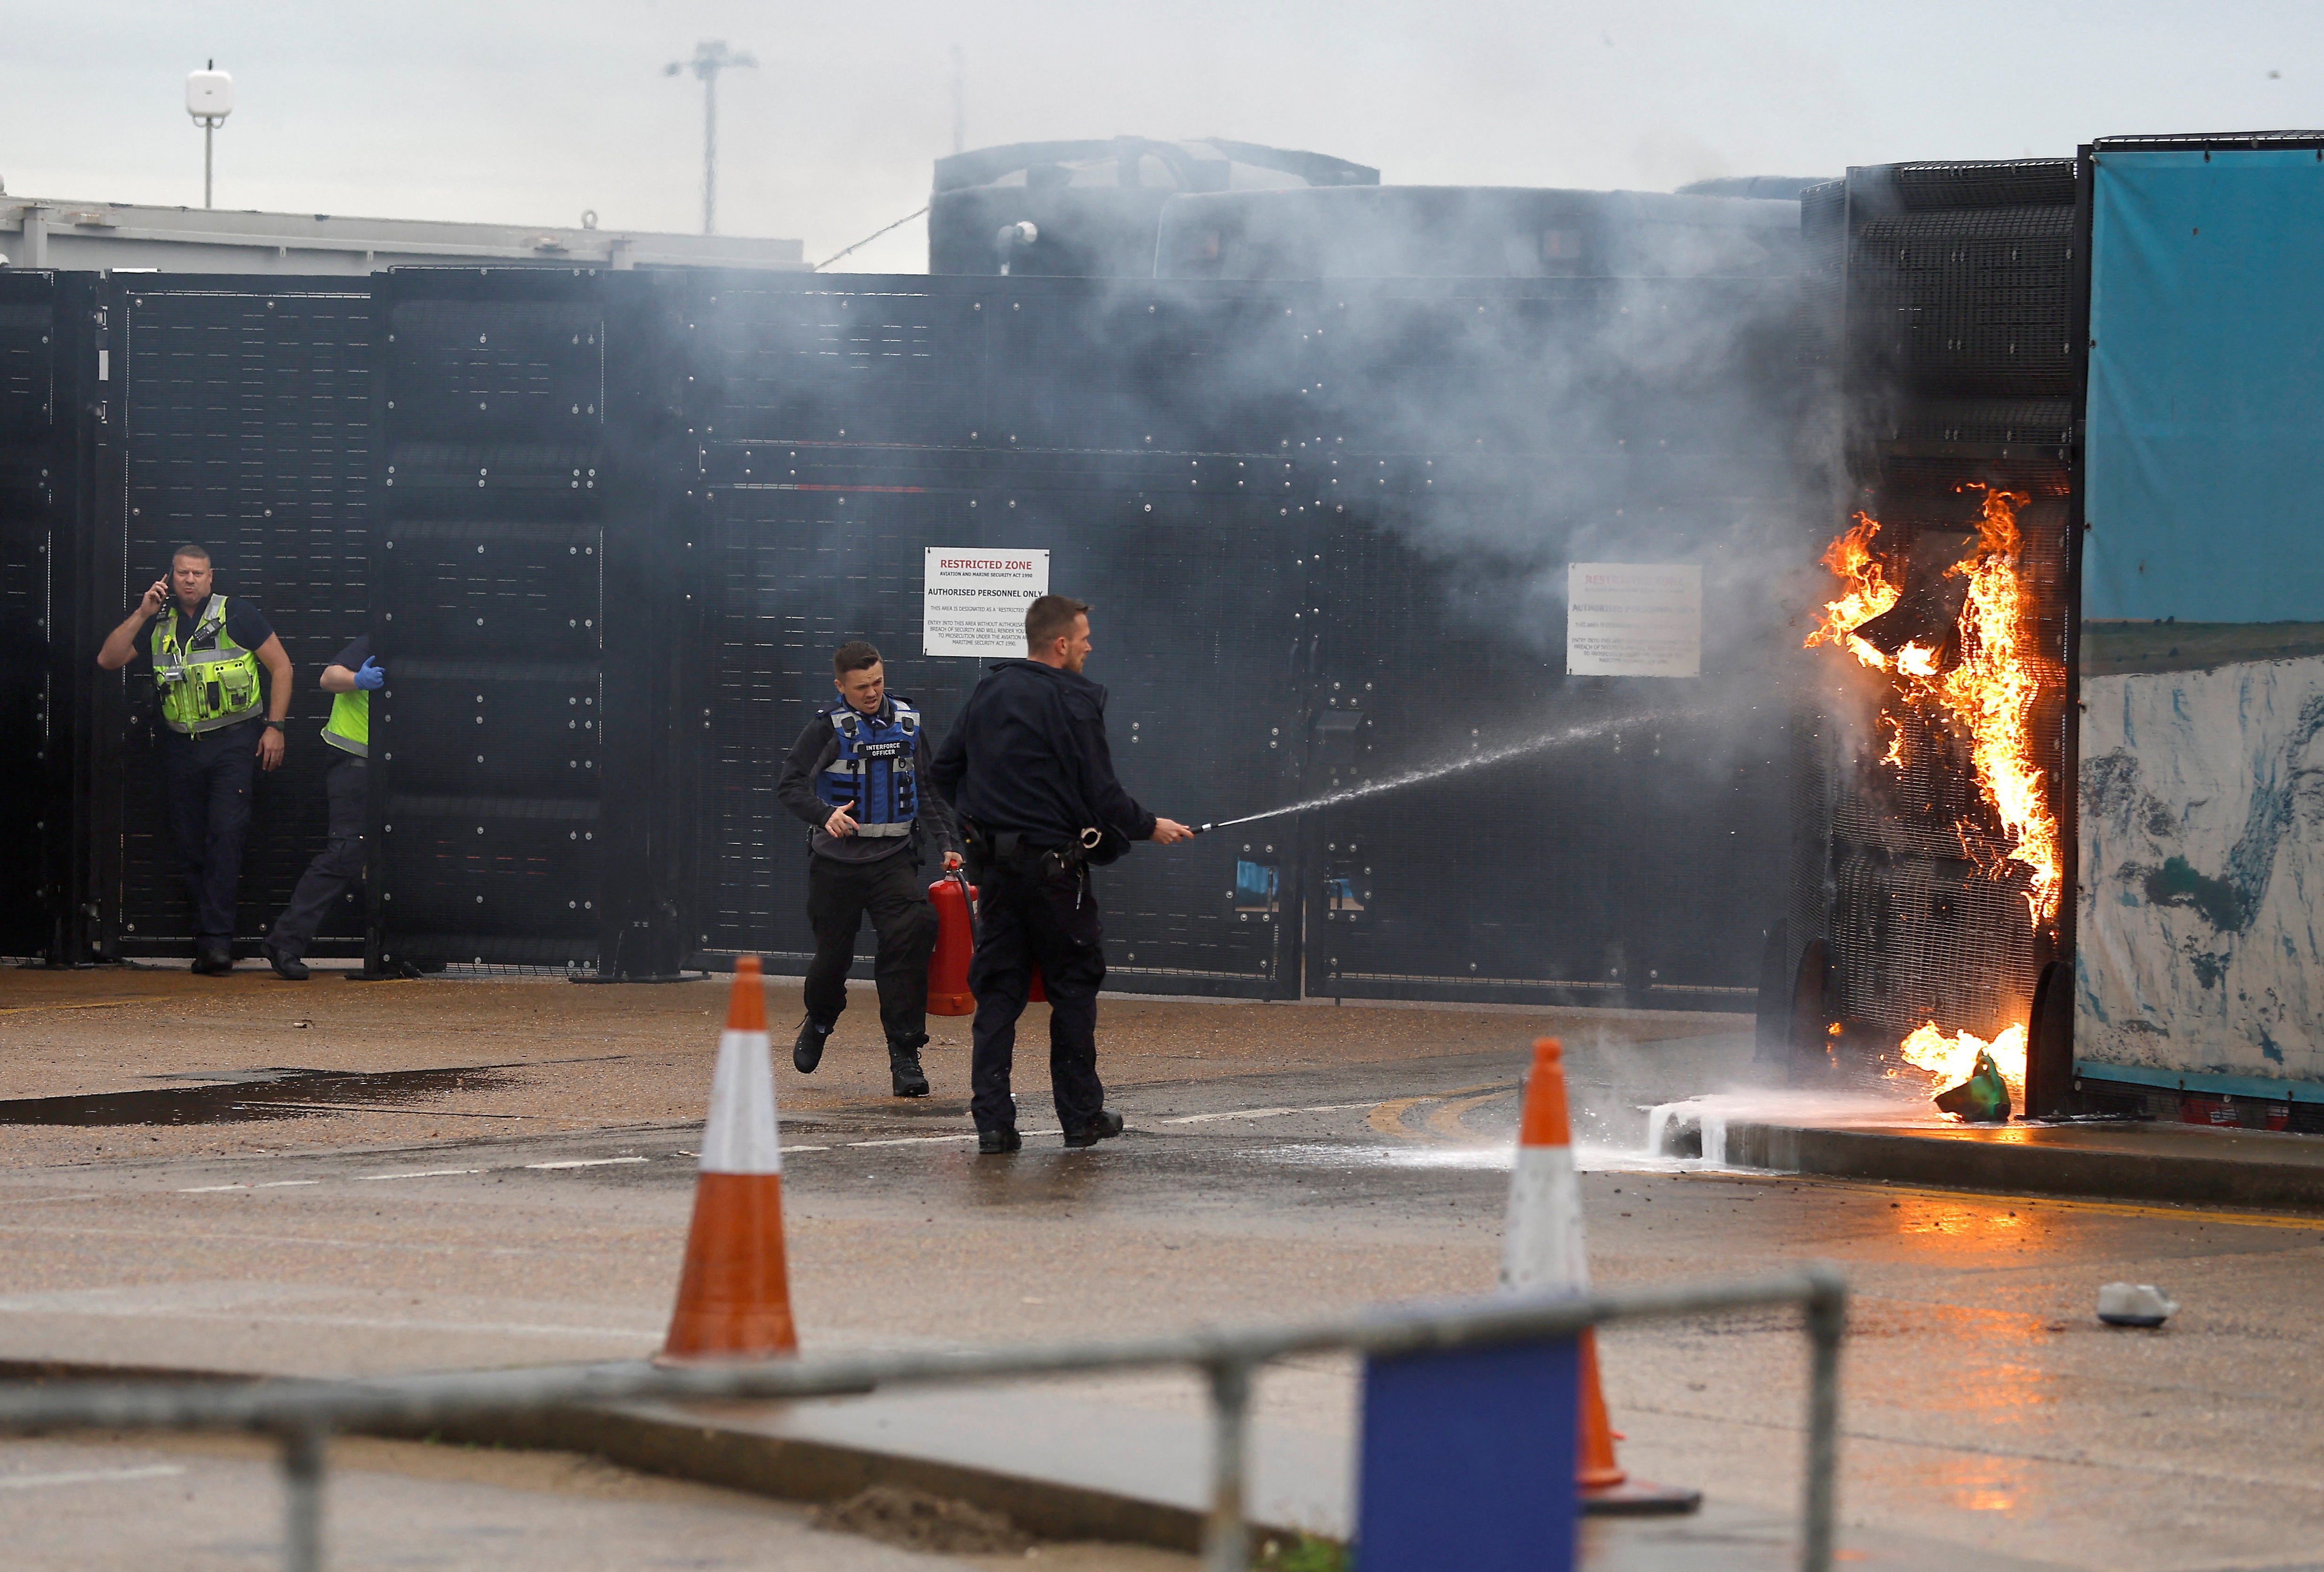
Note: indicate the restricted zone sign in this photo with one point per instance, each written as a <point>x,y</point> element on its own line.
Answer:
<point>972,599</point>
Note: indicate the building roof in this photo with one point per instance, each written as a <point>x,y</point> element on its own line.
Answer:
<point>91,236</point>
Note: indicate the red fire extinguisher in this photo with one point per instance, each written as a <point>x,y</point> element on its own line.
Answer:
<point>953,897</point>
<point>949,992</point>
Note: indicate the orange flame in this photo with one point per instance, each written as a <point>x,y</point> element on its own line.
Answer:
<point>1950,1060</point>
<point>1865,595</point>
<point>1988,694</point>
<point>1992,691</point>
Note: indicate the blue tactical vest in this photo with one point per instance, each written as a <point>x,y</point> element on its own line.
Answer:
<point>875,774</point>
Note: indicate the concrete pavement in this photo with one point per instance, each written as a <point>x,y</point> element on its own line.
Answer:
<point>1272,1169</point>
<point>214,1504</point>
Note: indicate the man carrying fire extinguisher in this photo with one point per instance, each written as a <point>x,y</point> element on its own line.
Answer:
<point>858,775</point>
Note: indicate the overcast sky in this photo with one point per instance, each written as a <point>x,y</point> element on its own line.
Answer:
<point>529,111</point>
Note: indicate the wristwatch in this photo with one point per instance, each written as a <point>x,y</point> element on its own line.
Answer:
<point>275,726</point>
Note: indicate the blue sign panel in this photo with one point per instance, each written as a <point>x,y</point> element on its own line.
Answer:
<point>1467,1460</point>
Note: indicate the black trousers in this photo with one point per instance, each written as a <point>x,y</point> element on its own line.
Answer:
<point>839,895</point>
<point>209,779</point>
<point>338,864</point>
<point>1024,921</point>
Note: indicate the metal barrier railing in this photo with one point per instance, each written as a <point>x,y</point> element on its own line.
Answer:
<point>303,1415</point>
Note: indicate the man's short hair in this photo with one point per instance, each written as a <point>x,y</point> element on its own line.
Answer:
<point>1051,617</point>
<point>854,655</point>
<point>190,550</point>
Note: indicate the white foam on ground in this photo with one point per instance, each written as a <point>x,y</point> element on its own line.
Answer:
<point>1715,1112</point>
<point>1337,1154</point>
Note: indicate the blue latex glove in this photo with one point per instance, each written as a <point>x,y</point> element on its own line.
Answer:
<point>370,675</point>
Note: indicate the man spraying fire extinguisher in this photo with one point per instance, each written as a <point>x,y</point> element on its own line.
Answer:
<point>858,775</point>
<point>1028,768</point>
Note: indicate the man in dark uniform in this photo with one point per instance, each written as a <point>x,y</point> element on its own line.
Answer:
<point>350,680</point>
<point>205,656</point>
<point>858,775</point>
<point>1028,770</point>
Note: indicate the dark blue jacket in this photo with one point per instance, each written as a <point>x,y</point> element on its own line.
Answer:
<point>1028,754</point>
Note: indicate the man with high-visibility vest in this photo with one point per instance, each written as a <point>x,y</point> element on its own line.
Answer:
<point>857,775</point>
<point>350,679</point>
<point>206,651</point>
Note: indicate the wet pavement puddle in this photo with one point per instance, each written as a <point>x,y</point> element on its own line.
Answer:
<point>266,1094</point>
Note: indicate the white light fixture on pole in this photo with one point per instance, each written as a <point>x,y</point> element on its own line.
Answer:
<point>710,58</point>
<point>209,100</point>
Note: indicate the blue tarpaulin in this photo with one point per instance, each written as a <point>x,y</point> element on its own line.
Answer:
<point>2206,434</point>
<point>2199,961</point>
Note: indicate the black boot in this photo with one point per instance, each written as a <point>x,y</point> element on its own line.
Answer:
<point>288,967</point>
<point>998,1142</point>
<point>212,960</point>
<point>807,1051</point>
<point>1104,1126</point>
<point>904,1065</point>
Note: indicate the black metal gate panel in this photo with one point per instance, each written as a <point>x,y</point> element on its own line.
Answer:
<point>238,416</point>
<point>489,740</point>
<point>41,494</point>
<point>1635,856</point>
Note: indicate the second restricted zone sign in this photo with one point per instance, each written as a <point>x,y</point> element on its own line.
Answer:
<point>1634,619</point>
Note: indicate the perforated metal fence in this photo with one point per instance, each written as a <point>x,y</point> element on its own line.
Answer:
<point>605,528</point>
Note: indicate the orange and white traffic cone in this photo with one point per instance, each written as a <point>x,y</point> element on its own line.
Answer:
<point>735,1297</point>
<point>1543,1250</point>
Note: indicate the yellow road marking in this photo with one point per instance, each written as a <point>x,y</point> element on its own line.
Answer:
<point>2057,1203</point>
<point>1388,1118</point>
<point>1446,1121</point>
<point>89,1005</point>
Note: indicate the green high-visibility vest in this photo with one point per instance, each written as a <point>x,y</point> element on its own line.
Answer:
<point>209,681</point>
<point>349,727</point>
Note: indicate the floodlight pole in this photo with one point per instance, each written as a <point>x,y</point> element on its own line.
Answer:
<point>710,57</point>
